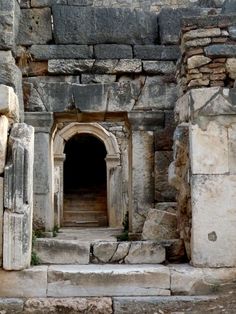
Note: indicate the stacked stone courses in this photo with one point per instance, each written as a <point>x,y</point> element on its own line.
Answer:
<point>209,52</point>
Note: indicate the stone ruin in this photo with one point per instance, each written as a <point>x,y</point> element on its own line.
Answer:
<point>117,113</point>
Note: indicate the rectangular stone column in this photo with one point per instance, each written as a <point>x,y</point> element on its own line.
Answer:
<point>18,198</point>
<point>142,166</point>
<point>212,154</point>
<point>43,163</point>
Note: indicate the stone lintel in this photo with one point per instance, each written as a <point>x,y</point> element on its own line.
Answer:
<point>146,121</point>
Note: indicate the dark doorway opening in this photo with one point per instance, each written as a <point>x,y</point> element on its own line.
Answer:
<point>85,191</point>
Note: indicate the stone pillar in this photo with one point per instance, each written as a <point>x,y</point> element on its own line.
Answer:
<point>18,198</point>
<point>212,153</point>
<point>58,188</point>
<point>43,170</point>
<point>141,189</point>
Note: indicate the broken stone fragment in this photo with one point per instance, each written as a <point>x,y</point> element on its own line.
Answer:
<point>9,103</point>
<point>18,198</point>
<point>160,225</point>
<point>3,142</point>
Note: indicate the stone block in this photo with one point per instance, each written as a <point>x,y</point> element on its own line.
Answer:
<point>224,50</point>
<point>97,78</point>
<point>9,103</point>
<point>156,52</point>
<point>157,94</point>
<point>58,251</point>
<point>48,52</point>
<point>163,191</point>
<point>85,25</point>
<point>35,27</point>
<point>172,304</point>
<point>18,198</point>
<point>12,305</point>
<point>70,66</point>
<point>3,141</point>
<point>231,67</point>
<point>213,223</point>
<point>170,23</point>
<point>11,75</point>
<point>9,20</point>
<point>209,149</point>
<point>197,61</point>
<point>113,51</point>
<point>188,280</point>
<point>229,6</point>
<point>22,284</point>
<point>202,33</point>
<point>160,225</point>
<point>98,280</point>
<point>46,3</point>
<point>136,252</point>
<point>63,96</point>
<point>232,32</point>
<point>159,67</point>
<point>69,305</point>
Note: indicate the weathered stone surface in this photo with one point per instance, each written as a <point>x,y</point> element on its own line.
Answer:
<point>35,27</point>
<point>70,66</point>
<point>18,199</point>
<point>3,142</point>
<point>160,225</point>
<point>98,280</point>
<point>232,32</point>
<point>146,252</point>
<point>201,33</point>
<point>10,75</point>
<point>9,20</point>
<point>170,22</point>
<point>60,96</point>
<point>197,42</point>
<point>47,52</point>
<point>103,25</point>
<point>225,50</point>
<point>213,224</point>
<point>136,252</point>
<point>197,61</point>
<point>163,191</point>
<point>173,304</point>
<point>99,66</point>
<point>155,52</point>
<point>46,3</point>
<point>229,6</point>
<point>159,67</point>
<point>209,149</point>
<point>56,251</point>
<point>97,78</point>
<point>158,94</point>
<point>22,284</point>
<point>13,305</point>
<point>113,52</point>
<point>9,103</point>
<point>189,280</point>
<point>69,305</point>
<point>231,67</point>
<point>80,2</point>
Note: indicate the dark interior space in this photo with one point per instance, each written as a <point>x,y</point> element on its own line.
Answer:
<point>85,196</point>
<point>85,165</point>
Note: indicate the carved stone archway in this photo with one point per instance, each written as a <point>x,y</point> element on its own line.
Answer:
<point>115,215</point>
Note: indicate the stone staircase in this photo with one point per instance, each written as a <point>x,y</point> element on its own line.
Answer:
<point>91,262</point>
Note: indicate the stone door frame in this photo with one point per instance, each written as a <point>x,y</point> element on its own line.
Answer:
<point>113,165</point>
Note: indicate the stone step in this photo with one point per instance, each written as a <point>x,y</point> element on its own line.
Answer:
<point>108,280</point>
<point>59,251</point>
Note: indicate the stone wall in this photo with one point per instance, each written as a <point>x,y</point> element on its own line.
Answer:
<point>209,52</point>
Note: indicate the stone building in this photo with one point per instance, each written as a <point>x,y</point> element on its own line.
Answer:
<point>116,114</point>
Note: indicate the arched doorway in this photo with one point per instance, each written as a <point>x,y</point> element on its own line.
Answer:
<point>85,190</point>
<point>113,169</point>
